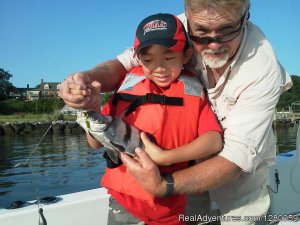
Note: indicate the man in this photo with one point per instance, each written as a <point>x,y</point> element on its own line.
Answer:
<point>244,81</point>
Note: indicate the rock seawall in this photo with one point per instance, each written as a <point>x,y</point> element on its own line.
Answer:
<point>58,127</point>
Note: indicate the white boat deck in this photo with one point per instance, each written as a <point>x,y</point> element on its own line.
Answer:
<point>87,207</point>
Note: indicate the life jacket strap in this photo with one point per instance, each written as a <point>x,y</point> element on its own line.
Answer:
<point>149,98</point>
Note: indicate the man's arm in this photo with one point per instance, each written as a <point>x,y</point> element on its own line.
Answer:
<point>109,74</point>
<point>198,178</point>
<point>205,175</point>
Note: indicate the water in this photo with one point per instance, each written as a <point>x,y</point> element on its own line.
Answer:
<point>286,138</point>
<point>61,164</point>
<point>64,164</point>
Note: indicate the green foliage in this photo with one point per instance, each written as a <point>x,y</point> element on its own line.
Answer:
<point>35,107</point>
<point>28,117</point>
<point>105,97</point>
<point>5,85</point>
<point>290,96</point>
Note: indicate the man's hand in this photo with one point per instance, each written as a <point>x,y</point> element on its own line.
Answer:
<point>144,170</point>
<point>79,92</point>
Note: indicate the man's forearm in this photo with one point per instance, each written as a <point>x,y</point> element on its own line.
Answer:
<point>205,175</point>
<point>109,74</point>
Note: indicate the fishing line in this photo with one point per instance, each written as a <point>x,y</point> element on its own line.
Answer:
<point>37,145</point>
<point>42,219</point>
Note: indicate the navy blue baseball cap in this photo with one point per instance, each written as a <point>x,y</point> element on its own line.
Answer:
<point>160,29</point>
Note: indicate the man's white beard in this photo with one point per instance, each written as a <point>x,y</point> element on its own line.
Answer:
<point>218,62</point>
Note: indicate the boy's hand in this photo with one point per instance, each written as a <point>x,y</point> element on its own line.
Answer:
<point>156,153</point>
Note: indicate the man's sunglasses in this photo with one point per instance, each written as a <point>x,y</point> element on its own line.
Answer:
<point>205,40</point>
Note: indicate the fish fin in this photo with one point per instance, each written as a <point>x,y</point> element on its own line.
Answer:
<point>113,155</point>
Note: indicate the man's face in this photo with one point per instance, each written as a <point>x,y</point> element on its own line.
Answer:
<point>216,36</point>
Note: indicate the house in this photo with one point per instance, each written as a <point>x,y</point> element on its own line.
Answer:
<point>18,93</point>
<point>48,89</point>
<point>32,94</point>
<point>41,91</point>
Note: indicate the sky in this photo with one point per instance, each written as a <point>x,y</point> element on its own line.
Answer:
<point>49,40</point>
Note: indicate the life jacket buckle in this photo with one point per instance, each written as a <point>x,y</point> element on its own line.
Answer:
<point>163,100</point>
<point>149,97</point>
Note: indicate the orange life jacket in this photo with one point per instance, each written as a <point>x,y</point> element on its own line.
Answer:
<point>171,125</point>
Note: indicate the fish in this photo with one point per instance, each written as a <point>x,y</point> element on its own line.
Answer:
<point>112,132</point>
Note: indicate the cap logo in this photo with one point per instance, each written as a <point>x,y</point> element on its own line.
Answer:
<point>155,25</point>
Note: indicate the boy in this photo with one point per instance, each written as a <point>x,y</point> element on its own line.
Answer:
<point>169,103</point>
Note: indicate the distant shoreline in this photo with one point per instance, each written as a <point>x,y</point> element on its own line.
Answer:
<point>57,127</point>
<point>61,127</point>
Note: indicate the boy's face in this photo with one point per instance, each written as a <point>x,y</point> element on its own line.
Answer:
<point>161,65</point>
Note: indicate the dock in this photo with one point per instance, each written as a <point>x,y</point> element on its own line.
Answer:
<point>287,118</point>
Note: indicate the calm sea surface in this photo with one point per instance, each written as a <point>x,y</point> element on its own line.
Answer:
<point>64,164</point>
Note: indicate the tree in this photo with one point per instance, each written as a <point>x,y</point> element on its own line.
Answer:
<point>5,85</point>
<point>290,96</point>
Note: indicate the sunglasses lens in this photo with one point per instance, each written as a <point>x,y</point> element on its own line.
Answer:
<point>204,40</point>
<point>217,39</point>
<point>201,40</point>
